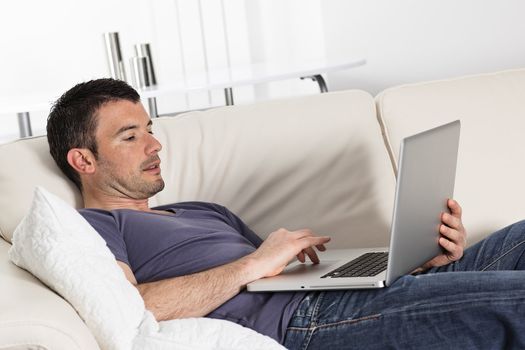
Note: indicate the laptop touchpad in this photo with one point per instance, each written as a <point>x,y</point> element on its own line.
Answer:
<point>300,268</point>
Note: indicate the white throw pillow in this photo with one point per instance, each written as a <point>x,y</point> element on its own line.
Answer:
<point>57,245</point>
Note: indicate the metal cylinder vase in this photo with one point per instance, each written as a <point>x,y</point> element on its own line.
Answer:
<point>139,72</point>
<point>145,50</point>
<point>114,56</point>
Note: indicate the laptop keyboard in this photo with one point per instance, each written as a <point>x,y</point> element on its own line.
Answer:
<point>366,265</point>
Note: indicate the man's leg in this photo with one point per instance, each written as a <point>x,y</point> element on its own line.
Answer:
<point>464,310</point>
<point>468,310</point>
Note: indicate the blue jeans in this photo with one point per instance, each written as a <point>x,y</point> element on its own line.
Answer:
<point>477,302</point>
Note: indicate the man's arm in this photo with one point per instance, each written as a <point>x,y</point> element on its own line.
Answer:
<point>193,295</point>
<point>200,293</point>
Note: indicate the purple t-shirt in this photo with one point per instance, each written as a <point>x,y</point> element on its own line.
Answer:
<point>197,237</point>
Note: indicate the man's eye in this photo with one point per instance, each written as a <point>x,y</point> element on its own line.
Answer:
<point>131,138</point>
<point>151,132</point>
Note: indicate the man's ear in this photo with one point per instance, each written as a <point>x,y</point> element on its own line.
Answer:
<point>82,160</point>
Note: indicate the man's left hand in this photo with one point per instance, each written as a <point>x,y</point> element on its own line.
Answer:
<point>453,237</point>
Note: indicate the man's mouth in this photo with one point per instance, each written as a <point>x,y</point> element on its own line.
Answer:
<point>152,167</point>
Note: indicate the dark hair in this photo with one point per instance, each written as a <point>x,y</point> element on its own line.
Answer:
<point>72,121</point>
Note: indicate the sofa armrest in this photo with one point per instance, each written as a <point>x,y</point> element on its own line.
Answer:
<point>33,315</point>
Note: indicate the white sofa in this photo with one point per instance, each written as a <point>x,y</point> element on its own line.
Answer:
<point>325,161</point>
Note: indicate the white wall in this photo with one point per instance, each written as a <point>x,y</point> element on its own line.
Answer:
<point>285,30</point>
<point>48,46</point>
<point>413,40</point>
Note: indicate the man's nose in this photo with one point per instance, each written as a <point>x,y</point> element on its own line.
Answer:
<point>154,146</point>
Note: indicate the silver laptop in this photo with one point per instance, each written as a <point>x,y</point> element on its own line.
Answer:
<point>426,176</point>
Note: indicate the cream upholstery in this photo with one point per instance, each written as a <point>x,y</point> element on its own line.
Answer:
<point>315,162</point>
<point>490,168</point>
<point>31,314</point>
<point>28,164</point>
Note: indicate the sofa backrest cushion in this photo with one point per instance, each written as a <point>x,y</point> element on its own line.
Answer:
<point>315,161</point>
<point>26,163</point>
<point>491,107</point>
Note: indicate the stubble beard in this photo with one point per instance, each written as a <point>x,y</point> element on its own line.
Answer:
<point>131,185</point>
<point>145,190</point>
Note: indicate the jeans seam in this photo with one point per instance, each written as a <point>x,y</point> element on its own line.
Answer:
<point>312,324</point>
<point>335,324</point>
<point>503,255</point>
<point>439,307</point>
<point>313,321</point>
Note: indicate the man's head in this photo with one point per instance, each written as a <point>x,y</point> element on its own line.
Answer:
<point>100,135</point>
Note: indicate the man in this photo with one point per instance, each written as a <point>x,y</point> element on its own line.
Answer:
<point>194,259</point>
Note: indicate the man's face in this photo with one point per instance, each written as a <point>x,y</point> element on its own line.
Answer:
<point>128,163</point>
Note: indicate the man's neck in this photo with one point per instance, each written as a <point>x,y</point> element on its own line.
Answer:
<point>111,202</point>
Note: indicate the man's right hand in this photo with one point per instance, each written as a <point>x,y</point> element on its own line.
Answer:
<point>282,246</point>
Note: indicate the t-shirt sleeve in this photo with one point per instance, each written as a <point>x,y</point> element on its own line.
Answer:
<point>104,223</point>
<point>240,226</point>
